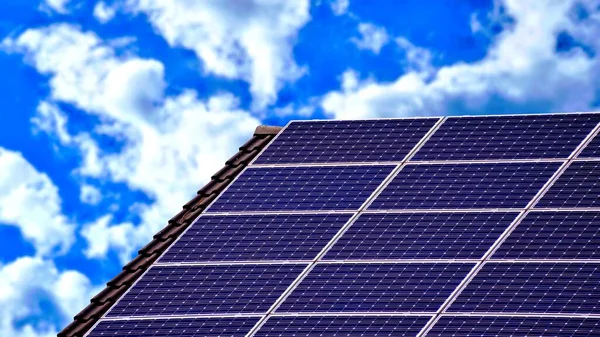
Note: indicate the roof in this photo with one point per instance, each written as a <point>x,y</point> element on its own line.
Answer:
<point>85,319</point>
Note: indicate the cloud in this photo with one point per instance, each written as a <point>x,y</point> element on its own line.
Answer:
<point>103,12</point>
<point>30,201</point>
<point>251,40</point>
<point>89,194</point>
<point>59,6</point>
<point>522,68</point>
<point>372,38</point>
<point>340,7</point>
<point>171,144</point>
<point>37,299</point>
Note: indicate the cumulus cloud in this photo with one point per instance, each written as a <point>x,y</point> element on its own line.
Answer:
<point>522,68</point>
<point>171,144</point>
<point>30,201</point>
<point>59,6</point>
<point>103,12</point>
<point>340,7</point>
<point>89,194</point>
<point>372,37</point>
<point>248,40</point>
<point>36,297</point>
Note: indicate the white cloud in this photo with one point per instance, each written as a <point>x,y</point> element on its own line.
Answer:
<point>89,194</point>
<point>172,144</point>
<point>521,68</point>
<point>30,201</point>
<point>103,12</point>
<point>59,6</point>
<point>248,40</point>
<point>340,7</point>
<point>372,38</point>
<point>33,289</point>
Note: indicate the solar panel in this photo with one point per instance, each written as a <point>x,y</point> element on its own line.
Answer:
<point>478,326</point>
<point>554,235</point>
<point>342,326</point>
<point>376,287</point>
<point>533,288</point>
<point>421,236</point>
<point>301,188</point>
<point>346,141</point>
<point>175,327</point>
<point>592,150</point>
<point>508,137</point>
<point>578,186</point>
<point>206,289</point>
<point>255,237</point>
<point>463,186</point>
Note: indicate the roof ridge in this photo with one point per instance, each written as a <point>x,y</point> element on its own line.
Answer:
<point>148,254</point>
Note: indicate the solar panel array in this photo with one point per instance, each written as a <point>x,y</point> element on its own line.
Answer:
<point>459,226</point>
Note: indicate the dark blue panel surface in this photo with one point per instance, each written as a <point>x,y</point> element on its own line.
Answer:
<point>255,237</point>
<point>464,326</point>
<point>592,150</point>
<point>533,288</point>
<point>301,188</point>
<point>554,235</point>
<point>376,287</point>
<point>343,326</point>
<point>456,186</point>
<point>346,141</point>
<point>578,186</point>
<point>420,236</point>
<point>175,327</point>
<point>187,290</point>
<point>508,137</point>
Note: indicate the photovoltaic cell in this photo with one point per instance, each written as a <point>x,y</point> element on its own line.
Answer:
<point>297,326</point>
<point>255,237</point>
<point>508,137</point>
<point>456,186</point>
<point>578,186</point>
<point>301,188</point>
<point>592,150</point>
<point>175,327</point>
<point>376,287</point>
<point>554,235</point>
<point>532,288</point>
<point>473,326</point>
<point>420,236</point>
<point>187,290</point>
<point>346,141</point>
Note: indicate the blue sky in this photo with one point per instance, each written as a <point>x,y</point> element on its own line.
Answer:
<point>116,112</point>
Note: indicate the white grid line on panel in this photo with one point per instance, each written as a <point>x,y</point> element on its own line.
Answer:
<point>177,239</point>
<point>445,117</point>
<point>350,314</point>
<point>151,317</point>
<point>230,263</point>
<point>417,162</point>
<point>325,249</point>
<point>511,314</point>
<point>587,159</point>
<point>508,231</point>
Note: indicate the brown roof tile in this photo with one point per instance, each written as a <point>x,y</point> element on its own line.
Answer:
<point>165,237</point>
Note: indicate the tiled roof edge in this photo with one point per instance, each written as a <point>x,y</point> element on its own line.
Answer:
<point>100,303</point>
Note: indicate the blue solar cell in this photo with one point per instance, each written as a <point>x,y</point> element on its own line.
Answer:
<point>554,235</point>
<point>533,288</point>
<point>420,236</point>
<point>592,150</point>
<point>456,186</point>
<point>175,327</point>
<point>489,326</point>
<point>578,186</point>
<point>508,137</point>
<point>376,287</point>
<point>346,141</point>
<point>188,290</point>
<point>342,326</point>
<point>255,237</point>
<point>301,188</point>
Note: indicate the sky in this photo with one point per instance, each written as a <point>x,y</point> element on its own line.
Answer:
<point>116,112</point>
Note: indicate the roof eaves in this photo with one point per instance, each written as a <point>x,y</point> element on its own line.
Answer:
<point>147,255</point>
